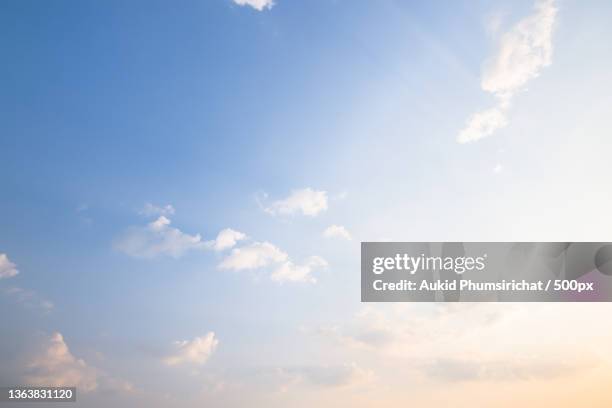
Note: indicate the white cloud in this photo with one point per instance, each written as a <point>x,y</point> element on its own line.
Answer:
<point>493,22</point>
<point>522,54</point>
<point>340,196</point>
<point>253,256</point>
<point>469,342</point>
<point>289,272</point>
<point>226,239</point>
<point>7,268</point>
<point>325,375</point>
<point>262,254</point>
<point>29,298</point>
<point>56,366</point>
<point>498,168</point>
<point>256,4</point>
<point>483,124</point>
<point>196,351</point>
<point>158,238</point>
<point>46,305</point>
<point>306,201</point>
<point>532,368</point>
<point>337,231</point>
<point>150,210</point>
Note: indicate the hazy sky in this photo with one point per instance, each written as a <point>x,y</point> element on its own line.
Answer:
<point>185,185</point>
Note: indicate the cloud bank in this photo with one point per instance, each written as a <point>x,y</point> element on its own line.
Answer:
<point>476,342</point>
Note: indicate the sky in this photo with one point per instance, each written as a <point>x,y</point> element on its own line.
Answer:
<point>185,186</point>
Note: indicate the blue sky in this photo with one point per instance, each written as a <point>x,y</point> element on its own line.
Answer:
<point>133,133</point>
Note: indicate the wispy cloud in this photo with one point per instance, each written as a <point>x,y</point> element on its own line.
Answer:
<point>526,368</point>
<point>7,268</point>
<point>26,297</point>
<point>259,5</point>
<point>196,351</point>
<point>304,201</point>
<point>29,299</point>
<point>151,210</point>
<point>461,342</point>
<point>337,231</point>
<point>521,55</point>
<point>482,124</point>
<point>158,238</point>
<point>327,376</point>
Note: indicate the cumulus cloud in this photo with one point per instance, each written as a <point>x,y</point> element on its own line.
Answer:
<point>54,365</point>
<point>57,367</point>
<point>305,201</point>
<point>7,268</point>
<point>196,351</point>
<point>522,54</point>
<point>259,5</point>
<point>226,239</point>
<point>158,238</point>
<point>289,272</point>
<point>150,210</point>
<point>262,254</point>
<point>255,255</point>
<point>337,231</point>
